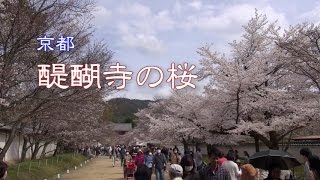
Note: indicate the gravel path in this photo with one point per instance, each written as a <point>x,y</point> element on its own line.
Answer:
<point>99,168</point>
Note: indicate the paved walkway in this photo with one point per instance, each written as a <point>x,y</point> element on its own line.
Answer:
<point>99,168</point>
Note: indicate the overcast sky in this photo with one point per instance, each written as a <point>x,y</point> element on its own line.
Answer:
<point>157,33</point>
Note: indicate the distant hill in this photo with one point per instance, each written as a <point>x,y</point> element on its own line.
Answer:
<point>122,110</point>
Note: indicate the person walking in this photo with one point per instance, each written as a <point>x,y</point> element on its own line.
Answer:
<point>232,168</point>
<point>236,154</point>
<point>169,154</point>
<point>213,171</point>
<point>314,165</point>
<point>198,159</point>
<point>3,170</point>
<point>306,154</point>
<point>248,172</point>
<point>246,157</point>
<point>175,172</point>
<point>114,156</point>
<point>122,155</point>
<point>274,172</point>
<point>221,158</point>
<point>189,168</point>
<point>110,152</point>
<point>139,159</point>
<point>118,152</point>
<point>127,159</point>
<point>142,173</point>
<point>148,161</point>
<point>159,162</point>
<point>166,153</point>
<point>176,147</point>
<point>175,157</point>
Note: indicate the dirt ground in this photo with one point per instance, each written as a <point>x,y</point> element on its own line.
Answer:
<point>99,168</point>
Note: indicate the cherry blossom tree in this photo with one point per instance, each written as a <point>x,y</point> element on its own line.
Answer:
<point>183,117</point>
<point>301,46</point>
<point>62,123</point>
<point>301,53</point>
<point>22,22</point>
<point>255,91</point>
<point>251,87</point>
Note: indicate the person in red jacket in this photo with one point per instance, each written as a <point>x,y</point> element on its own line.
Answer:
<point>221,158</point>
<point>139,159</point>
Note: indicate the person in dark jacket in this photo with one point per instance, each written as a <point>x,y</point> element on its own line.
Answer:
<point>189,168</point>
<point>274,172</point>
<point>122,155</point>
<point>213,171</point>
<point>314,173</point>
<point>3,170</point>
<point>142,173</point>
<point>159,162</point>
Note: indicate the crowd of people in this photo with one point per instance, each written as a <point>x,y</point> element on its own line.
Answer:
<point>191,166</point>
<point>94,150</point>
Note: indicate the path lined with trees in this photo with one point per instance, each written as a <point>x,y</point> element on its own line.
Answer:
<point>266,91</point>
<point>99,168</point>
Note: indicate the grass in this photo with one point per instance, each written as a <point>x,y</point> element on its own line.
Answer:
<point>46,168</point>
<point>298,172</point>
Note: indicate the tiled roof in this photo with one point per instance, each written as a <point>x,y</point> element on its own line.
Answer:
<point>314,137</point>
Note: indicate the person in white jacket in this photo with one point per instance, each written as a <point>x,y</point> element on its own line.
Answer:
<point>232,167</point>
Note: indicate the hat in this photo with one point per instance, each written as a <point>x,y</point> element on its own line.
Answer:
<point>176,169</point>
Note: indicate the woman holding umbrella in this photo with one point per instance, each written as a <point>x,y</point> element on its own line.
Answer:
<point>274,173</point>
<point>267,160</point>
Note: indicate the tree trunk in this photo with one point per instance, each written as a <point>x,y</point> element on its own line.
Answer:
<point>185,145</point>
<point>56,151</point>
<point>209,147</point>
<point>58,148</point>
<point>25,148</point>
<point>289,142</point>
<point>8,143</point>
<point>274,142</point>
<point>238,105</point>
<point>256,144</point>
<point>35,150</point>
<point>197,146</point>
<point>274,146</point>
<point>43,153</point>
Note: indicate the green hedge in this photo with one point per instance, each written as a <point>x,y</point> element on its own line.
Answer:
<point>46,168</point>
